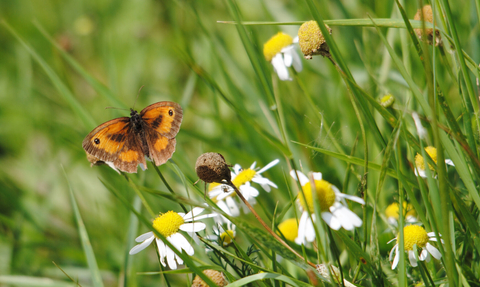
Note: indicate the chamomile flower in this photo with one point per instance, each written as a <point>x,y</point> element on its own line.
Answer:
<point>168,224</point>
<point>415,235</point>
<point>224,236</point>
<point>420,162</point>
<point>334,209</point>
<point>280,51</point>
<point>225,196</point>
<point>392,213</point>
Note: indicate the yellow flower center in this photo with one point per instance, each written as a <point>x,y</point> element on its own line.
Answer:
<point>325,195</point>
<point>289,229</point>
<point>387,101</point>
<point>414,234</point>
<point>227,237</point>
<point>392,210</point>
<point>310,39</point>
<point>168,223</point>
<point>432,152</point>
<point>275,45</point>
<point>242,177</point>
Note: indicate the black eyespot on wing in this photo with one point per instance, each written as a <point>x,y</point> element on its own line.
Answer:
<point>170,112</point>
<point>96,141</point>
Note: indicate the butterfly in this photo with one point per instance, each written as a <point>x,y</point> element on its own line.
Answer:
<point>123,143</point>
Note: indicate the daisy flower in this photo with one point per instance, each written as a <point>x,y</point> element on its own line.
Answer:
<point>168,224</point>
<point>392,213</point>
<point>280,51</point>
<point>225,196</point>
<point>420,162</point>
<point>224,236</point>
<point>415,235</point>
<point>334,209</point>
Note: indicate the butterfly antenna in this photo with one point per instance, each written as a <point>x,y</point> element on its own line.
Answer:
<point>137,96</point>
<point>115,108</point>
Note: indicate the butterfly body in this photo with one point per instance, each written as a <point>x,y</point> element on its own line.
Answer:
<point>123,143</point>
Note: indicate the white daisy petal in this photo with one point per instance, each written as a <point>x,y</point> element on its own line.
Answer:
<point>333,222</point>
<point>423,255</point>
<point>288,58</point>
<point>144,236</point>
<point>411,257</point>
<point>232,206</point>
<point>317,175</point>
<point>171,258</point>
<point>391,251</point>
<point>236,170</point>
<point>353,198</point>
<point>162,251</point>
<point>301,177</point>
<point>184,244</point>
<point>225,194</point>
<point>141,246</point>
<point>193,213</point>
<point>343,217</point>
<point>178,259</point>
<point>421,173</point>
<point>434,251</point>
<point>253,165</point>
<point>346,216</point>
<point>301,229</point>
<point>297,62</point>
<point>449,162</point>
<point>248,191</point>
<point>396,259</point>
<point>280,68</point>
<point>268,166</point>
<point>310,229</point>
<point>223,206</point>
<point>193,227</point>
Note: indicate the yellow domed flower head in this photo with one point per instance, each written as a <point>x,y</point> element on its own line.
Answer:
<point>225,197</point>
<point>280,51</point>
<point>392,213</point>
<point>334,209</point>
<point>415,235</point>
<point>311,40</point>
<point>387,101</point>
<point>289,229</point>
<point>168,224</point>
<point>427,17</point>
<point>420,162</point>
<point>216,276</point>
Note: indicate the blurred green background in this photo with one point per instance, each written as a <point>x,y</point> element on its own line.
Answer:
<point>48,105</point>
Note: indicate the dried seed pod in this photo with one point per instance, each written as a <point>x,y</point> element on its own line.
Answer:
<point>211,167</point>
<point>215,275</point>
<point>428,17</point>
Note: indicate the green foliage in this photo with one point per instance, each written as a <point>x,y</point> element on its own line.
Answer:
<point>64,62</point>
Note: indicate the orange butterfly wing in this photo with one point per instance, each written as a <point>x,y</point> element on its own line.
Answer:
<point>162,122</point>
<point>115,143</point>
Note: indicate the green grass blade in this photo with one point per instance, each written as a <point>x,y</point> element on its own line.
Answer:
<point>68,96</point>
<point>87,246</point>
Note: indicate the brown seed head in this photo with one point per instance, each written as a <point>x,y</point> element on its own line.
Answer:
<point>427,17</point>
<point>216,277</point>
<point>211,167</point>
<point>311,40</point>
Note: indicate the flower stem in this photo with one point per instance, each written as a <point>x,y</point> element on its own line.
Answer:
<point>240,195</point>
